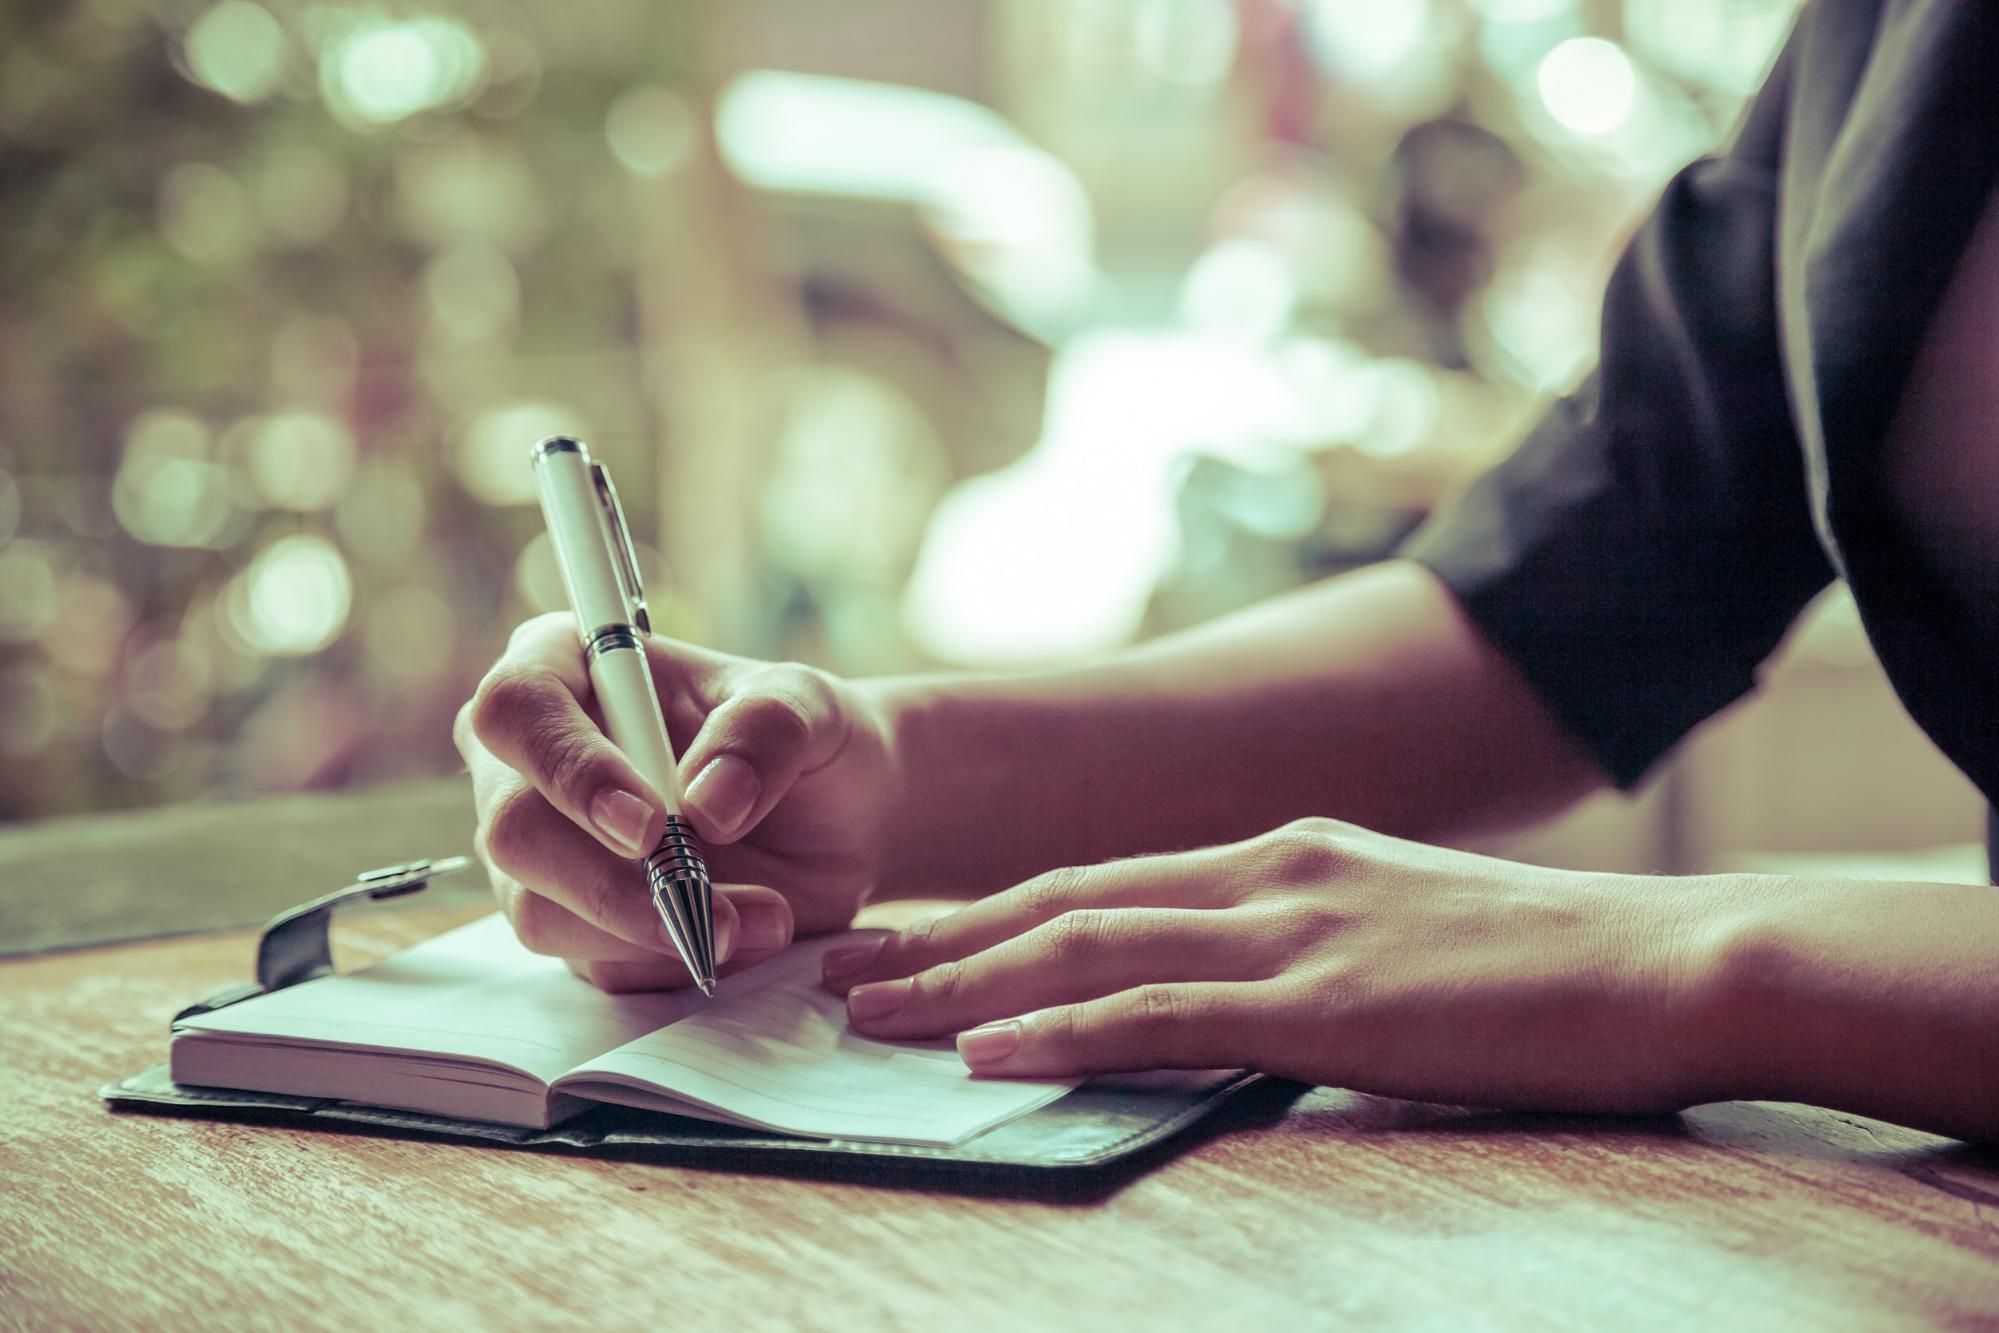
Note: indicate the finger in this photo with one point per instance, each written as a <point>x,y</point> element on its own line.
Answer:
<point>1183,880</point>
<point>525,840</point>
<point>1076,957</point>
<point>822,895</point>
<point>1200,1025</point>
<point>778,722</point>
<point>751,922</point>
<point>688,679</point>
<point>660,972</point>
<point>528,712</point>
<point>546,927</point>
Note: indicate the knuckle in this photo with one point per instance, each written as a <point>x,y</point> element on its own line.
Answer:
<point>602,897</point>
<point>1048,895</point>
<point>538,924</point>
<point>914,942</point>
<point>1081,939</point>
<point>573,764</point>
<point>783,708</point>
<point>944,983</point>
<point>777,712</point>
<point>1158,1010</point>
<point>506,700</point>
<point>1058,1028</point>
<point>806,687</point>
<point>1305,851</point>
<point>512,830</point>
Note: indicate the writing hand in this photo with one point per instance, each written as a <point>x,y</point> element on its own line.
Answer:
<point>788,784</point>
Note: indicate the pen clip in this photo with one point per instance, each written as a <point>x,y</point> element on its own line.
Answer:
<point>624,556</point>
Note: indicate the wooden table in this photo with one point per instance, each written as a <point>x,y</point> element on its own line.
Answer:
<point>1336,1211</point>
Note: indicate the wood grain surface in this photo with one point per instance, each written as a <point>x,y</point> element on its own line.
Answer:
<point>1342,1211</point>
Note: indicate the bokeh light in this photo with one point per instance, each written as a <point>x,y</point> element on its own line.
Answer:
<point>1190,42</point>
<point>293,599</point>
<point>237,49</point>
<point>167,491</point>
<point>1588,85</point>
<point>1241,286</point>
<point>175,501</point>
<point>301,460</point>
<point>649,130</point>
<point>27,589</point>
<point>205,214</point>
<point>383,70</point>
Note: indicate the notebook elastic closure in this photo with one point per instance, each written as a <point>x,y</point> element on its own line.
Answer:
<point>295,946</point>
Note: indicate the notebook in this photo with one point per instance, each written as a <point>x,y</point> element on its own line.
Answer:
<point>470,1025</point>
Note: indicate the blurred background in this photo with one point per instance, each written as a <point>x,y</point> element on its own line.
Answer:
<point>918,333</point>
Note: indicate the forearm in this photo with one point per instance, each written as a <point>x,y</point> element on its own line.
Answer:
<point>1876,998</point>
<point>1368,697</point>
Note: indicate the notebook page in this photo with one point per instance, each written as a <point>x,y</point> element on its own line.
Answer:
<point>772,1051</point>
<point>472,994</point>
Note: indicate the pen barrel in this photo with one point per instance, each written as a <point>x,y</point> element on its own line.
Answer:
<point>582,535</point>
<point>625,694</point>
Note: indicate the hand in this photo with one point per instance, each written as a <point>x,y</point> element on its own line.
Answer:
<point>1321,952</point>
<point>789,784</point>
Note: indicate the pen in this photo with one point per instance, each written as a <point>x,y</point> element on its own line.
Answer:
<point>593,547</point>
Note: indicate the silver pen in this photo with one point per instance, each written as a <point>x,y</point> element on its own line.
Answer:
<point>600,569</point>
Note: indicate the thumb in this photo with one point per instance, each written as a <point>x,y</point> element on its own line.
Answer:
<point>779,722</point>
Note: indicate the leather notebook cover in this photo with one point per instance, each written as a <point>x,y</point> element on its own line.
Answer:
<point>1096,1124</point>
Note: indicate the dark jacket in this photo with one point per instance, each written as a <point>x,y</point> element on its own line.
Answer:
<point>1649,543</point>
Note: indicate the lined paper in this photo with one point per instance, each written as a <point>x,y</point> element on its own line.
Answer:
<point>772,1051</point>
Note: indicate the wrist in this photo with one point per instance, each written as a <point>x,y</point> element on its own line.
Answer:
<point>1773,1007</point>
<point>1726,959</point>
<point>896,707</point>
<point>977,802</point>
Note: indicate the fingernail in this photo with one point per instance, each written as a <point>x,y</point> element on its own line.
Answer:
<point>987,1046</point>
<point>726,933</point>
<point>724,793</point>
<point>621,817</point>
<point>878,1000</point>
<point>760,927</point>
<point>851,959</point>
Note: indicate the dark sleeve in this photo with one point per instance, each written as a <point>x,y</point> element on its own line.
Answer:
<point>1649,542</point>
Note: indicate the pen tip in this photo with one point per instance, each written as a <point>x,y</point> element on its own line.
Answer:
<point>707,986</point>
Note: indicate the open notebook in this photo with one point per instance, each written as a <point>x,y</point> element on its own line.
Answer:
<point>471,1025</point>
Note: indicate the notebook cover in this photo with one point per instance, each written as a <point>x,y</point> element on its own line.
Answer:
<point>1096,1124</point>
